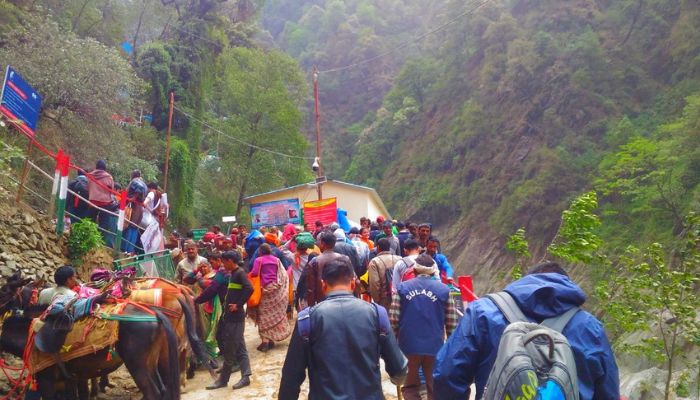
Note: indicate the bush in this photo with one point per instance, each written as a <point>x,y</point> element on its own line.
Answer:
<point>84,236</point>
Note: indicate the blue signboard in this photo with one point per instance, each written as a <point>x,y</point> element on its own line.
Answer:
<point>280,212</point>
<point>19,102</point>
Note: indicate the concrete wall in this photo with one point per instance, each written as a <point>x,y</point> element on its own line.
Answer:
<point>357,202</point>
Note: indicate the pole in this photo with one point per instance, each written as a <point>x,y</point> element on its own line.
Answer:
<point>62,194</point>
<point>25,172</point>
<point>319,171</point>
<point>120,222</point>
<point>56,181</point>
<point>167,142</point>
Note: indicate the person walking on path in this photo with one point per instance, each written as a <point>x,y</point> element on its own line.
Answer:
<point>422,315</point>
<point>545,292</point>
<point>232,285</point>
<point>210,312</point>
<point>340,344</point>
<point>433,250</point>
<point>380,271</point>
<point>404,265</point>
<point>100,187</point>
<point>313,285</point>
<point>271,314</point>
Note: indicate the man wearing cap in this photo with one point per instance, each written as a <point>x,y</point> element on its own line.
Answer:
<point>233,287</point>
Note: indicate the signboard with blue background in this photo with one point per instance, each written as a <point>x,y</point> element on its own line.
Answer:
<point>278,212</point>
<point>19,102</point>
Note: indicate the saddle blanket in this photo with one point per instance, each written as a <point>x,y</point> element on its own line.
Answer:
<point>88,336</point>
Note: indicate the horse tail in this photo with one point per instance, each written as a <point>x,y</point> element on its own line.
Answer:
<point>173,378</point>
<point>200,351</point>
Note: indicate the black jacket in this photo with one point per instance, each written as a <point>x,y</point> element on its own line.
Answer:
<point>232,288</point>
<point>343,352</point>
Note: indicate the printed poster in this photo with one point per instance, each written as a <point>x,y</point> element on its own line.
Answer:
<point>279,212</point>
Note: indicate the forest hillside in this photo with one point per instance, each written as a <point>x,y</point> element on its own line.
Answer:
<point>499,119</point>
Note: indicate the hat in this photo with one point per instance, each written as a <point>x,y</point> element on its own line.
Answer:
<point>339,234</point>
<point>232,256</point>
<point>380,219</point>
<point>354,230</point>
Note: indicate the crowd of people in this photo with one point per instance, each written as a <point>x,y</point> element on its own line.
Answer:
<point>94,194</point>
<point>382,290</point>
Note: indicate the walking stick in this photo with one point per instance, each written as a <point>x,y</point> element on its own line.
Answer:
<point>398,392</point>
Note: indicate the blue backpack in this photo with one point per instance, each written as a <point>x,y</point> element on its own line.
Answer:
<point>304,321</point>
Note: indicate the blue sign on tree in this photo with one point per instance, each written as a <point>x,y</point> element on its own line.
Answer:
<point>20,103</point>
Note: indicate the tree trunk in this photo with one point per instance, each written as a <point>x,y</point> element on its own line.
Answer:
<point>76,20</point>
<point>138,27</point>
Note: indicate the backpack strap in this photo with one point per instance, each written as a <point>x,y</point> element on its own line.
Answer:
<point>508,307</point>
<point>383,320</point>
<point>559,322</point>
<point>304,324</point>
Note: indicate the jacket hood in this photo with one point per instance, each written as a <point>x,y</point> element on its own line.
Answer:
<point>339,234</point>
<point>254,234</point>
<point>546,295</point>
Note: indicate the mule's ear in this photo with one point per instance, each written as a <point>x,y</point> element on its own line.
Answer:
<point>41,282</point>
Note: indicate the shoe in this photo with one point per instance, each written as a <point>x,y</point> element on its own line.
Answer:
<point>235,368</point>
<point>270,345</point>
<point>264,347</point>
<point>245,381</point>
<point>217,384</point>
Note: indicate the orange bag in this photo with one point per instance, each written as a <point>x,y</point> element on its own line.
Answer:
<point>254,299</point>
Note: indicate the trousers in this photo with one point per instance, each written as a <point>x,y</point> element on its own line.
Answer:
<point>230,338</point>
<point>411,388</point>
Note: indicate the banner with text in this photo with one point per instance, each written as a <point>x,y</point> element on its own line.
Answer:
<point>19,102</point>
<point>278,212</point>
<point>325,210</point>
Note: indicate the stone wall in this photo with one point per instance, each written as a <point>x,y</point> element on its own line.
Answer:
<point>28,243</point>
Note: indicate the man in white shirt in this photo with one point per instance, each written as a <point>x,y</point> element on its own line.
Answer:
<point>189,263</point>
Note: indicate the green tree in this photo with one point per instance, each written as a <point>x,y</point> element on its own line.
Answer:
<point>655,291</point>
<point>517,244</point>
<point>257,101</point>
<point>576,240</point>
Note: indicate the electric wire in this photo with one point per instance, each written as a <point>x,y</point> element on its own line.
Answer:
<point>409,42</point>
<point>204,123</point>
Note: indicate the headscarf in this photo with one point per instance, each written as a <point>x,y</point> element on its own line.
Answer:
<point>272,239</point>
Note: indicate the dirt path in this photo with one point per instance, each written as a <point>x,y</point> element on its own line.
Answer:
<point>267,372</point>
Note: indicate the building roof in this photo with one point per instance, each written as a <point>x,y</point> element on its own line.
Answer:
<point>373,193</point>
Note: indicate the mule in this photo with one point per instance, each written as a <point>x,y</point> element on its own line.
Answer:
<point>148,349</point>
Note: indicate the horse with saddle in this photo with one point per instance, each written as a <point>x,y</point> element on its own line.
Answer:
<point>147,324</point>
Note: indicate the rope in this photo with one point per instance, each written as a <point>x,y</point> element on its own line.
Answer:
<point>239,140</point>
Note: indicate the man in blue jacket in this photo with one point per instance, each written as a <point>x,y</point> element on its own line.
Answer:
<point>469,353</point>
